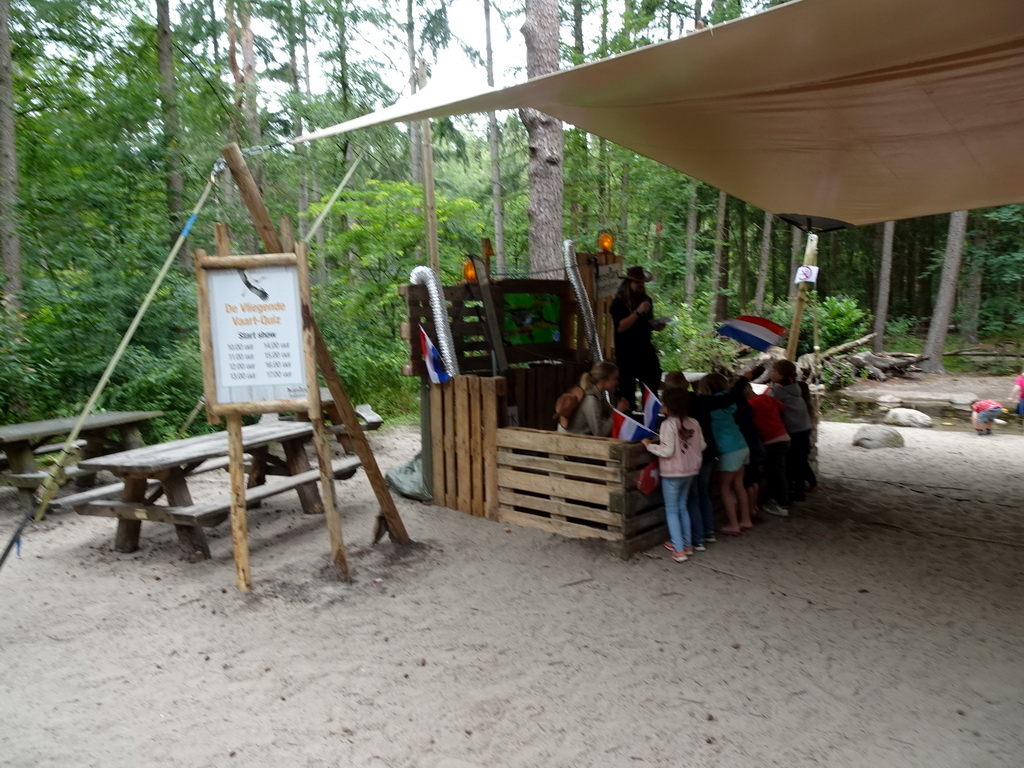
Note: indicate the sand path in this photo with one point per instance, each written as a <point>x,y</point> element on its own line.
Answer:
<point>871,628</point>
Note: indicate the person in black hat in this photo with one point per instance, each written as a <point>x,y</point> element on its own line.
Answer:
<point>633,313</point>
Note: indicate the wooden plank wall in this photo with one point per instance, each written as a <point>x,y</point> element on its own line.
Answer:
<point>465,415</point>
<point>533,391</point>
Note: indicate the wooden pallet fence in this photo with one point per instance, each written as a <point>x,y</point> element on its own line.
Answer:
<point>578,486</point>
<point>465,415</point>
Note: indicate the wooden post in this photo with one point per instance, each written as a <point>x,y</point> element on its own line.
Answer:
<point>810,259</point>
<point>429,202</point>
<point>483,281</point>
<point>331,512</point>
<point>389,521</point>
<point>252,198</point>
<point>239,524</point>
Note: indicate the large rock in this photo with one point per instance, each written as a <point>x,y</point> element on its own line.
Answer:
<point>963,400</point>
<point>908,417</point>
<point>877,436</point>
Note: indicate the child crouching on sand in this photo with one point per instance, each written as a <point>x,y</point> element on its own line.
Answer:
<point>679,459</point>
<point>983,415</point>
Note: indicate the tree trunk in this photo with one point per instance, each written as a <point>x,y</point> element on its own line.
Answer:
<point>546,144</point>
<point>795,252</point>
<point>972,290</point>
<point>722,299</point>
<point>939,325</point>
<point>10,243</point>
<point>415,127</point>
<point>741,260</point>
<point>884,280</point>
<point>240,29</point>
<point>497,197</point>
<point>716,259</point>
<point>691,243</point>
<point>169,108</point>
<point>762,272</point>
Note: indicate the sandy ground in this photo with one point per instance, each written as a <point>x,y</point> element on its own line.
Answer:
<point>880,625</point>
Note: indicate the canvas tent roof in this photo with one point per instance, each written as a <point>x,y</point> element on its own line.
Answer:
<point>857,110</point>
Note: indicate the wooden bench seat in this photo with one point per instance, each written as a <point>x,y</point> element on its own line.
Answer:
<point>209,514</point>
<point>95,494</point>
<point>42,450</point>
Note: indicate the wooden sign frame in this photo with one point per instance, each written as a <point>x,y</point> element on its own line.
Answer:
<point>215,369</point>
<point>233,411</point>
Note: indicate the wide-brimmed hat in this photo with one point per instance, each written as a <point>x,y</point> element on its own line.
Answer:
<point>637,274</point>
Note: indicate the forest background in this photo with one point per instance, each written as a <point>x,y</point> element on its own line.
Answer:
<point>113,112</point>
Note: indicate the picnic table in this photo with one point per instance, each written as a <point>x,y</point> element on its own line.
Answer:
<point>163,470</point>
<point>101,433</point>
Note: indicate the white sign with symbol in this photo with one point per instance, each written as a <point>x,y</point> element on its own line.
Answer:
<point>806,274</point>
<point>256,325</point>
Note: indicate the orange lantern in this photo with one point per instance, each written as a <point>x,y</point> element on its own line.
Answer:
<point>469,271</point>
<point>605,242</point>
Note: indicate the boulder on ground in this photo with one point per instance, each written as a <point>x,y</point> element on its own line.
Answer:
<point>888,400</point>
<point>908,417</point>
<point>963,400</point>
<point>877,436</point>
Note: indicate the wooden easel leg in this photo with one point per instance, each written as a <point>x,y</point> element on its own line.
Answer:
<point>331,512</point>
<point>389,521</point>
<point>239,525</point>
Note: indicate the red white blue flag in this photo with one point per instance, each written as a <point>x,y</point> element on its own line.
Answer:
<point>753,331</point>
<point>652,407</point>
<point>626,428</point>
<point>432,359</point>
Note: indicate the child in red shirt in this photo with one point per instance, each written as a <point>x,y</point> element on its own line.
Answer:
<point>768,421</point>
<point>983,415</point>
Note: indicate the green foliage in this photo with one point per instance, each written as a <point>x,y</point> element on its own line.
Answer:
<point>839,318</point>
<point>689,342</point>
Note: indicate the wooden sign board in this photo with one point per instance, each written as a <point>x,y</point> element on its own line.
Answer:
<point>255,334</point>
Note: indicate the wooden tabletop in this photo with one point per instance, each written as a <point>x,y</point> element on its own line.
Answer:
<point>156,458</point>
<point>40,430</point>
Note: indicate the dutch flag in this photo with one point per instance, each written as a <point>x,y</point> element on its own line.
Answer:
<point>652,407</point>
<point>626,428</point>
<point>753,331</point>
<point>432,359</point>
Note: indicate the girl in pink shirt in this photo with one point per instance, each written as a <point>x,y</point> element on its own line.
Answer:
<point>679,460</point>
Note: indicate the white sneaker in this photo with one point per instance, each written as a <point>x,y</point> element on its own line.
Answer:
<point>774,508</point>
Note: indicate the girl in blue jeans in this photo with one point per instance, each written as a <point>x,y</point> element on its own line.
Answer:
<point>679,460</point>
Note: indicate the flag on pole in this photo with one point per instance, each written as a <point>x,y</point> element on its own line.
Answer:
<point>652,407</point>
<point>626,428</point>
<point>753,331</point>
<point>432,359</point>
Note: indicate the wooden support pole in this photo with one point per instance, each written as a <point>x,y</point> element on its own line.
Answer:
<point>331,512</point>
<point>429,201</point>
<point>252,197</point>
<point>389,521</point>
<point>810,259</point>
<point>239,524</point>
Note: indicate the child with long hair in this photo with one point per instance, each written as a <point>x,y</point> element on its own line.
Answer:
<point>733,456</point>
<point>679,460</point>
<point>585,410</point>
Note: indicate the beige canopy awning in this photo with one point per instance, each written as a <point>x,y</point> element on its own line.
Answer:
<point>857,110</point>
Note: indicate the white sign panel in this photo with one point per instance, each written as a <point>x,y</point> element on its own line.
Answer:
<point>608,280</point>
<point>806,274</point>
<point>256,325</point>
